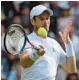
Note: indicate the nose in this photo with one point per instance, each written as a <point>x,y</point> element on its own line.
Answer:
<point>46,23</point>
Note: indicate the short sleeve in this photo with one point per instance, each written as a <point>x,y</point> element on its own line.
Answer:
<point>62,53</point>
<point>62,56</point>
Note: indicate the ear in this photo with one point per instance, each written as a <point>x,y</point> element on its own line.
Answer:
<point>32,22</point>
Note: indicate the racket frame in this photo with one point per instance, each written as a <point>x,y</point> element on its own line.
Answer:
<point>25,37</point>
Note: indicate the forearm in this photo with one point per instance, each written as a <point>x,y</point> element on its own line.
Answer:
<point>27,58</point>
<point>71,59</point>
<point>70,64</point>
<point>25,61</point>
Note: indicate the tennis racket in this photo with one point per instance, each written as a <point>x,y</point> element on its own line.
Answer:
<point>13,35</point>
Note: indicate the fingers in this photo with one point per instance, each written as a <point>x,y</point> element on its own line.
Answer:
<point>68,27</point>
<point>69,24</point>
<point>65,36</point>
<point>38,47</point>
<point>41,46</point>
<point>61,35</point>
<point>41,51</point>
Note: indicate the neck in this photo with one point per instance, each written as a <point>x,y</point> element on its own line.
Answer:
<point>39,35</point>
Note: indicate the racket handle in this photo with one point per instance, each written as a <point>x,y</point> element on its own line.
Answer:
<point>33,46</point>
<point>36,47</point>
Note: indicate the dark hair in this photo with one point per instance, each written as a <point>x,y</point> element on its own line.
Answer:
<point>34,17</point>
<point>72,74</point>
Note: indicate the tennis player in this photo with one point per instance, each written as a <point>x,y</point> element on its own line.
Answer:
<point>42,64</point>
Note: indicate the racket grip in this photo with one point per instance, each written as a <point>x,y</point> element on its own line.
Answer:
<point>36,48</point>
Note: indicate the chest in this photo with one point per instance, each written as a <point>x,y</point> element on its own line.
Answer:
<point>52,51</point>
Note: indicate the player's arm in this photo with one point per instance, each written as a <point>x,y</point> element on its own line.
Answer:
<point>27,58</point>
<point>70,64</point>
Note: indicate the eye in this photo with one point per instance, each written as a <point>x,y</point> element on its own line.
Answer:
<point>47,18</point>
<point>41,18</point>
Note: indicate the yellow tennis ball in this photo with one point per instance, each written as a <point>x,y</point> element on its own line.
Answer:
<point>42,32</point>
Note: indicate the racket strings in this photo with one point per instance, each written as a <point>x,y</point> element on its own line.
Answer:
<point>13,37</point>
<point>17,35</point>
<point>16,39</point>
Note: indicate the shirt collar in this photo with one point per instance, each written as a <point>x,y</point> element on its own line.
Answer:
<point>34,34</point>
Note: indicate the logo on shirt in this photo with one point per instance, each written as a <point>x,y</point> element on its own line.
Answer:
<point>53,50</point>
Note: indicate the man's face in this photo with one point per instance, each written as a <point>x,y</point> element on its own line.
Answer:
<point>42,20</point>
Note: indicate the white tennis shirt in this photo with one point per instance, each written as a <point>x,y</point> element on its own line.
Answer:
<point>45,67</point>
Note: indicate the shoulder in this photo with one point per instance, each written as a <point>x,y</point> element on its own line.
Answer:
<point>54,44</point>
<point>34,39</point>
<point>31,36</point>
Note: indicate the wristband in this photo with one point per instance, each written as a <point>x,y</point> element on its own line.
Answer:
<point>69,49</point>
